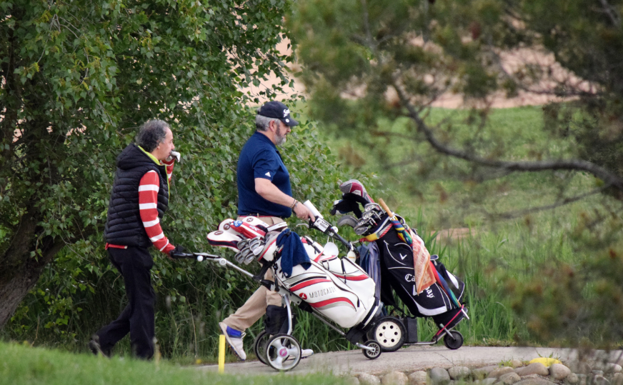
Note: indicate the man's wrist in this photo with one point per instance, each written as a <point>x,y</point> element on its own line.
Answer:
<point>294,204</point>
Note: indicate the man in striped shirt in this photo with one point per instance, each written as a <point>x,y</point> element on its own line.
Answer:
<point>139,198</point>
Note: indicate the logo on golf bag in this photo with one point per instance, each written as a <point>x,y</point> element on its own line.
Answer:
<point>322,292</point>
<point>429,291</point>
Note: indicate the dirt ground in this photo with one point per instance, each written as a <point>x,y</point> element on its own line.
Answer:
<point>510,62</point>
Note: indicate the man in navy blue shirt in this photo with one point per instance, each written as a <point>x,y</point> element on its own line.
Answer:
<point>264,191</point>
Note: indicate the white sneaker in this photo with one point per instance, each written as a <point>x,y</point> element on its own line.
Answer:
<point>306,353</point>
<point>234,341</point>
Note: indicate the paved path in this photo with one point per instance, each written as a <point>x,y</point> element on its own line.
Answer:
<point>407,359</point>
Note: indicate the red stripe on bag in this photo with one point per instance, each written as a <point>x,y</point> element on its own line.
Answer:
<point>308,283</point>
<point>355,278</point>
<point>330,301</point>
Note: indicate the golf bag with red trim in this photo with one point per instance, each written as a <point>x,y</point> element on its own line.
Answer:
<point>336,288</point>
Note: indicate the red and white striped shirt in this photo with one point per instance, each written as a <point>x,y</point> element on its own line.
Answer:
<point>148,188</point>
<point>148,206</point>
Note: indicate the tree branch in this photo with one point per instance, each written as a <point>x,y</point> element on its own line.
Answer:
<point>366,24</point>
<point>524,166</point>
<point>611,12</point>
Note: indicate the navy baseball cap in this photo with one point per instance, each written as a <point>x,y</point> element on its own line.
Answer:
<point>279,111</point>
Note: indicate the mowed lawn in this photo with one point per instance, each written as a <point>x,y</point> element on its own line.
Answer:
<point>25,365</point>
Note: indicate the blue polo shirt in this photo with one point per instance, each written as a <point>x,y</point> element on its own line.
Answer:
<point>259,158</point>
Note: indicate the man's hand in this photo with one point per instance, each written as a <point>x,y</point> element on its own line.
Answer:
<point>178,250</point>
<point>303,212</point>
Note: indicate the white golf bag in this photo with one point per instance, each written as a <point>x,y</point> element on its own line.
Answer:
<point>333,287</point>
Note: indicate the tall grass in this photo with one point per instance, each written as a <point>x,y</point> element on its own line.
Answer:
<point>500,250</point>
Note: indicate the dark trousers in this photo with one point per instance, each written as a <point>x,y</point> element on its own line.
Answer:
<point>138,317</point>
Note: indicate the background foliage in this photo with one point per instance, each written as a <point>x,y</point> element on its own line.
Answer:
<point>78,79</point>
<point>376,70</point>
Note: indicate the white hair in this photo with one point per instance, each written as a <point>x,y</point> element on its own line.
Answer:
<point>262,122</point>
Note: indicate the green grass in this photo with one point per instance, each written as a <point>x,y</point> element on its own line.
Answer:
<point>25,365</point>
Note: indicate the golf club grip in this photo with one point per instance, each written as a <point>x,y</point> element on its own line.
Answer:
<point>387,210</point>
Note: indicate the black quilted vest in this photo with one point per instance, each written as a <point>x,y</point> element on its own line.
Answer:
<point>124,225</point>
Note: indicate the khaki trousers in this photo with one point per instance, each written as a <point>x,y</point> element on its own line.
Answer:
<point>255,307</point>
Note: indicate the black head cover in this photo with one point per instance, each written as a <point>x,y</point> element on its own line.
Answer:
<point>353,194</point>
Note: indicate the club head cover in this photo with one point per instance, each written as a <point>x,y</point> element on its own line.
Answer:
<point>353,186</point>
<point>221,238</point>
<point>257,223</point>
<point>353,194</point>
<point>345,206</point>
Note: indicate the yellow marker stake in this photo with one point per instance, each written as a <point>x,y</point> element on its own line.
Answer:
<point>221,353</point>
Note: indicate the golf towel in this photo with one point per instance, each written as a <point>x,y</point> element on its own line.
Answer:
<point>293,252</point>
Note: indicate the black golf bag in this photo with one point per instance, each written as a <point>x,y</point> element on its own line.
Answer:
<point>388,260</point>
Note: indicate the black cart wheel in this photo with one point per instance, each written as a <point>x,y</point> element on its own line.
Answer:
<point>453,340</point>
<point>259,346</point>
<point>375,352</point>
<point>389,332</point>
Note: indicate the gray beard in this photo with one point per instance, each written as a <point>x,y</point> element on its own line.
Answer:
<point>280,140</point>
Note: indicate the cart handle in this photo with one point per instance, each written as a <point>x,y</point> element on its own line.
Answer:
<point>200,257</point>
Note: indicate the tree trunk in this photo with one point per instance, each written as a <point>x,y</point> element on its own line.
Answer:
<point>19,272</point>
<point>14,285</point>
